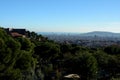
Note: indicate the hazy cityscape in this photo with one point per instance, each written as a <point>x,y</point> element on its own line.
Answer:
<point>91,39</point>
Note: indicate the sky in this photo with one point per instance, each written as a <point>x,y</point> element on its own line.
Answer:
<point>61,15</point>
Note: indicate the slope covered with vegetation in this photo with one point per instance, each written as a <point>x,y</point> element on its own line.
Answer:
<point>37,58</point>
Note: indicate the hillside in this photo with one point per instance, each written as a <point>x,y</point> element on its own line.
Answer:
<point>101,34</point>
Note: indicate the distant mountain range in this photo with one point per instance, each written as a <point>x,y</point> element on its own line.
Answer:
<point>101,34</point>
<point>92,34</point>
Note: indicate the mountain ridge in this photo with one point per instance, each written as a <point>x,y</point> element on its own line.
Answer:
<point>102,34</point>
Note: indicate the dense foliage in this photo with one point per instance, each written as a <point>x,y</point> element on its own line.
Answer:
<point>37,58</point>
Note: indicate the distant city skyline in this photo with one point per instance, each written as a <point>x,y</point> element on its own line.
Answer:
<point>61,15</point>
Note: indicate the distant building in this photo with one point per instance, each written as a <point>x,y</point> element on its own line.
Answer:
<point>17,32</point>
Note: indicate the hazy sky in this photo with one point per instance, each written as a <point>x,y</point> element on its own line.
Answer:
<point>61,15</point>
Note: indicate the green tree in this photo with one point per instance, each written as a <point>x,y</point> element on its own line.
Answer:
<point>26,44</point>
<point>25,61</point>
<point>83,64</point>
<point>113,49</point>
<point>16,61</point>
<point>47,50</point>
<point>9,50</point>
